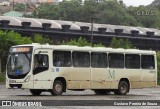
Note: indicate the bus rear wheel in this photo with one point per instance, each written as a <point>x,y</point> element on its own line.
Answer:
<point>57,88</point>
<point>101,92</point>
<point>123,88</point>
<point>35,92</point>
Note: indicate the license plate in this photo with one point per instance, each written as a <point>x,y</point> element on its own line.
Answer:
<point>12,81</point>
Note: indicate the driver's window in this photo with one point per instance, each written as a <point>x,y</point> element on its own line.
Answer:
<point>40,63</point>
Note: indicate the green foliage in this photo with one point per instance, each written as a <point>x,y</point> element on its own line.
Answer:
<point>81,42</point>
<point>105,11</point>
<point>158,66</point>
<point>38,38</point>
<point>19,7</point>
<point>98,45</point>
<point>121,43</point>
<point>45,11</point>
<point>2,77</point>
<point>146,16</point>
<point>10,38</point>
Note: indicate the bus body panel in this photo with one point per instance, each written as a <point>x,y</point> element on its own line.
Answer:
<point>100,78</point>
<point>135,77</point>
<point>148,78</point>
<point>25,84</point>
<point>79,78</point>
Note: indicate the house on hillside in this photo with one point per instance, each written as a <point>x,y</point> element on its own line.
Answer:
<point>17,1</point>
<point>48,1</point>
<point>4,3</point>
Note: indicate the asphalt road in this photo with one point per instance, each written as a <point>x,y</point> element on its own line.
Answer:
<point>135,94</point>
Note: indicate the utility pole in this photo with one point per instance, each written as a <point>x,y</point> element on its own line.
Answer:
<point>92,22</point>
<point>92,30</point>
<point>13,5</point>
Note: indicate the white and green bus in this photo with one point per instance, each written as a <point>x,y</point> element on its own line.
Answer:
<point>57,68</point>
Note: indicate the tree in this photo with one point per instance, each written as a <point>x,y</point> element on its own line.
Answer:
<point>105,11</point>
<point>146,16</point>
<point>8,39</point>
<point>38,38</point>
<point>121,43</point>
<point>155,3</point>
<point>45,11</point>
<point>81,42</point>
<point>158,66</point>
<point>20,7</point>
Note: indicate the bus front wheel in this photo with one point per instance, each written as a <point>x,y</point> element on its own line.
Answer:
<point>35,92</point>
<point>123,88</point>
<point>57,88</point>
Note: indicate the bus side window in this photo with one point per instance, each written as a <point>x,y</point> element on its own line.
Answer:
<point>116,60</point>
<point>98,60</point>
<point>132,61</point>
<point>61,58</point>
<point>57,62</point>
<point>147,62</point>
<point>81,59</point>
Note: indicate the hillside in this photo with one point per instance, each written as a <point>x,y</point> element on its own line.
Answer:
<point>155,3</point>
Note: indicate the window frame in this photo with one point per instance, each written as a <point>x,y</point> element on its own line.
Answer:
<point>106,64</point>
<point>40,69</point>
<point>89,54</point>
<point>123,60</point>
<point>64,58</point>
<point>139,60</point>
<point>153,63</point>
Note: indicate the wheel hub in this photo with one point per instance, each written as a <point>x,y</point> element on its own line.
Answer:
<point>58,88</point>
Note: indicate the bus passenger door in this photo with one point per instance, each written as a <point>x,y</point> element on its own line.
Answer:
<point>41,72</point>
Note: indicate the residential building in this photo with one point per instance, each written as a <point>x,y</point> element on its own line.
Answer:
<point>48,1</point>
<point>4,3</point>
<point>17,1</point>
<point>34,1</point>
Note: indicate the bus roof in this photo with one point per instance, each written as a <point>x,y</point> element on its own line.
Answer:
<point>88,48</point>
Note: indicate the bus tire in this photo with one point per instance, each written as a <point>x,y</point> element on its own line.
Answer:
<point>123,88</point>
<point>35,92</point>
<point>101,92</point>
<point>57,88</point>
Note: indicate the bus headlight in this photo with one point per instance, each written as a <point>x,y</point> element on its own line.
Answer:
<point>27,79</point>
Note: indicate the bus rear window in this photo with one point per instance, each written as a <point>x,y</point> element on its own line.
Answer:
<point>147,62</point>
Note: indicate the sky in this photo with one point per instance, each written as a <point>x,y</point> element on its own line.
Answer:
<point>137,2</point>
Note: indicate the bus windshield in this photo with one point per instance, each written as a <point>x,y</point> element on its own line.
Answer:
<point>19,64</point>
